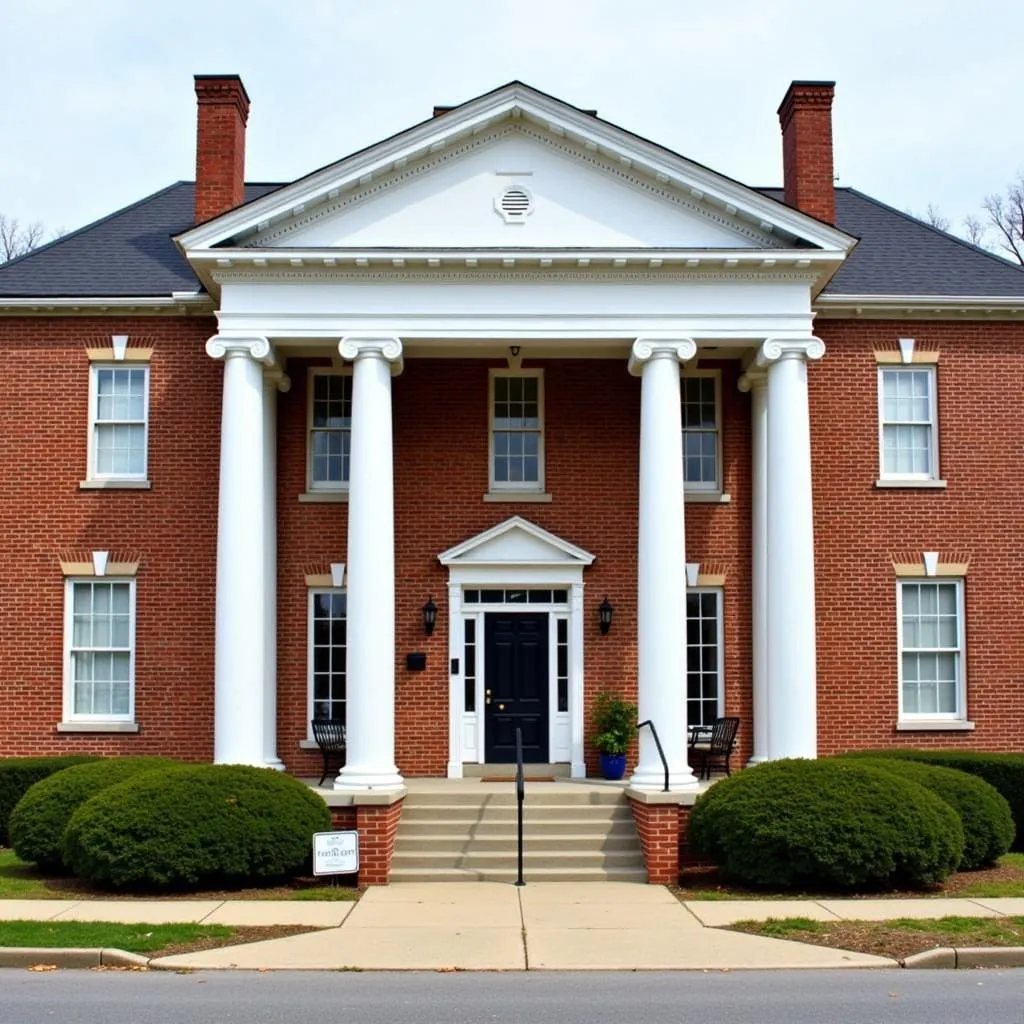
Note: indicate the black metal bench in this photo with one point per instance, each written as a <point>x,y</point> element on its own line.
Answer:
<point>714,744</point>
<point>329,734</point>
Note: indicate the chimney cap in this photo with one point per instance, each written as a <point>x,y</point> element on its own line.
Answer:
<point>201,80</point>
<point>808,92</point>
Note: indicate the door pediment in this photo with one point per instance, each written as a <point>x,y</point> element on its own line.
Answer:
<point>516,542</point>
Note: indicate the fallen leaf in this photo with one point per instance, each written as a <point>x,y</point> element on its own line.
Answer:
<point>43,967</point>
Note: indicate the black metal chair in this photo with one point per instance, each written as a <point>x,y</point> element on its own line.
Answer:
<point>715,745</point>
<point>329,734</point>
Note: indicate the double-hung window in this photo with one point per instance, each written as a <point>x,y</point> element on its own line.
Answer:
<point>517,430</point>
<point>702,451</point>
<point>118,422</point>
<point>328,643</point>
<point>908,423</point>
<point>329,430</point>
<point>99,647</point>
<point>704,675</point>
<point>931,648</point>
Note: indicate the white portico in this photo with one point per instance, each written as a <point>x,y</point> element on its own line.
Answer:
<point>516,221</point>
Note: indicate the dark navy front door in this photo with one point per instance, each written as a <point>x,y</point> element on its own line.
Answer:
<point>516,686</point>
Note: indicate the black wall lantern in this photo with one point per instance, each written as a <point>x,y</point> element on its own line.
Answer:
<point>604,615</point>
<point>429,616</point>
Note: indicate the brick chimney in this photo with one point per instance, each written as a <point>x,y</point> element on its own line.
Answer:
<point>806,119</point>
<point>220,144</point>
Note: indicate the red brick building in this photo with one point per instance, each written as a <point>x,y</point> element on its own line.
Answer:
<point>503,367</point>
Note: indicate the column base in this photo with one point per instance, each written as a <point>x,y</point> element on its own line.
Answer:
<point>654,780</point>
<point>277,764</point>
<point>756,760</point>
<point>356,780</point>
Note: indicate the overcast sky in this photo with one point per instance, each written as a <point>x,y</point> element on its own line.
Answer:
<point>98,105</point>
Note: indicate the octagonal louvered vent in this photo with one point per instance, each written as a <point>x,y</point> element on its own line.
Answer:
<point>514,204</point>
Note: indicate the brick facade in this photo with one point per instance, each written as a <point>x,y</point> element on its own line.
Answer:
<point>592,409</point>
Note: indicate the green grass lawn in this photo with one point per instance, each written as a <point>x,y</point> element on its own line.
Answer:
<point>1001,887</point>
<point>135,938</point>
<point>21,881</point>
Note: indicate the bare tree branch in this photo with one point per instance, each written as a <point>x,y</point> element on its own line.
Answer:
<point>934,216</point>
<point>1006,215</point>
<point>974,231</point>
<point>17,239</point>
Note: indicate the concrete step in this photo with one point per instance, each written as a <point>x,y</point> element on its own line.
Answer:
<point>436,826</point>
<point>456,844</point>
<point>530,874</point>
<point>508,771</point>
<point>541,794</point>
<point>507,815</point>
<point>506,859</point>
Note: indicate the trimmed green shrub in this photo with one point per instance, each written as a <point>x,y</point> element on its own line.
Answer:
<point>196,827</point>
<point>38,821</point>
<point>984,813</point>
<point>19,774</point>
<point>1003,771</point>
<point>833,824</point>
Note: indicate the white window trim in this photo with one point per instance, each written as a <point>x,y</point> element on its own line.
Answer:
<point>323,487</point>
<point>516,487</point>
<point>933,413</point>
<point>69,713</point>
<point>91,472</point>
<point>311,595</point>
<point>720,625</point>
<point>715,487</point>
<point>939,719</point>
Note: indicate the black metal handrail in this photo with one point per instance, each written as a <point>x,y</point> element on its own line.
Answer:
<point>657,743</point>
<point>520,796</point>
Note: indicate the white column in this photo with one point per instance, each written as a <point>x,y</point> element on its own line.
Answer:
<point>755,381</point>
<point>273,381</point>
<point>241,580</point>
<point>661,572</point>
<point>792,672</point>
<point>370,704</point>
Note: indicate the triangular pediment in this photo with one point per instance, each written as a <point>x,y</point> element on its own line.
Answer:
<point>516,542</point>
<point>514,169</point>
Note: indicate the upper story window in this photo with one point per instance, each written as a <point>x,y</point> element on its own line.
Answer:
<point>517,430</point>
<point>931,647</point>
<point>908,423</point>
<point>330,429</point>
<point>99,650</point>
<point>118,422</point>
<point>702,441</point>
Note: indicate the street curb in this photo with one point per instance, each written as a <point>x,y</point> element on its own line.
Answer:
<point>33,956</point>
<point>967,958</point>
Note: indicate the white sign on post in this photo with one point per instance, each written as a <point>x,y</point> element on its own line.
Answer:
<point>335,853</point>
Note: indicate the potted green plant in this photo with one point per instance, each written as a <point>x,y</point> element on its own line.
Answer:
<point>614,726</point>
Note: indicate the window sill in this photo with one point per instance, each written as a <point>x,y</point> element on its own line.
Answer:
<point>97,727</point>
<point>115,485</point>
<point>323,497</point>
<point>933,725</point>
<point>308,745</point>
<point>706,497</point>
<point>517,496</point>
<point>924,485</point>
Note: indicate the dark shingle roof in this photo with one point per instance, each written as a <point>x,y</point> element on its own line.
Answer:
<point>130,253</point>
<point>900,255</point>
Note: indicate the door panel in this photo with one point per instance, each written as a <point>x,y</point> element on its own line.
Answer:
<point>516,684</point>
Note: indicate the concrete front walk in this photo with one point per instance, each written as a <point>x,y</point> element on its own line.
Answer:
<point>496,926</point>
<point>543,926</point>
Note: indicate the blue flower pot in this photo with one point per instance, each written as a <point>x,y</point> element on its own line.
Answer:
<point>613,766</point>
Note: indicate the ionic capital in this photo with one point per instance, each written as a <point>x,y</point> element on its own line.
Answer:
<point>355,346</point>
<point>774,349</point>
<point>257,348</point>
<point>752,378</point>
<point>275,379</point>
<point>682,350</point>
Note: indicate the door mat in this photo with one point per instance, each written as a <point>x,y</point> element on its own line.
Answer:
<point>512,778</point>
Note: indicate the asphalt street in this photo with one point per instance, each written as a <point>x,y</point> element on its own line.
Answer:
<point>741,997</point>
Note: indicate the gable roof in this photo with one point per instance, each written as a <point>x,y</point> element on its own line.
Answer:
<point>124,255</point>
<point>901,255</point>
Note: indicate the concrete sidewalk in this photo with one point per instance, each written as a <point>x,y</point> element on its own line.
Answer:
<point>496,926</point>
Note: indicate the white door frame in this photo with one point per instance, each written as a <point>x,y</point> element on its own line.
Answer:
<point>515,553</point>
